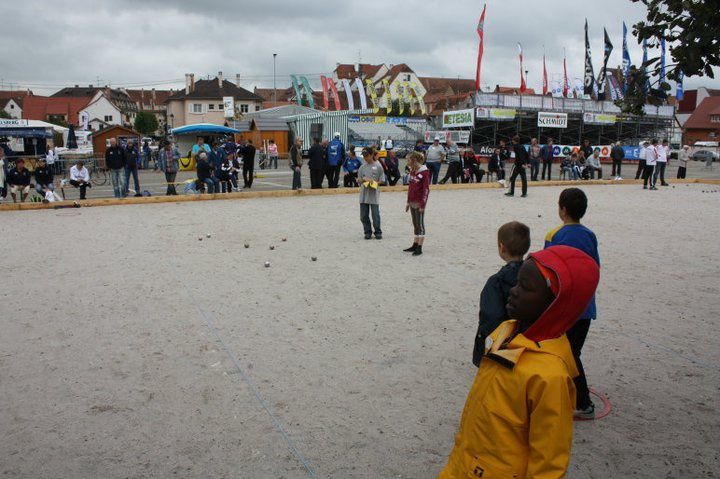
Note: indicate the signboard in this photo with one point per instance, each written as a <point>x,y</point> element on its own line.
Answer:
<point>392,120</point>
<point>456,136</point>
<point>599,118</point>
<point>458,118</point>
<point>552,120</point>
<point>500,114</point>
<point>10,122</point>
<point>84,119</point>
<point>229,106</point>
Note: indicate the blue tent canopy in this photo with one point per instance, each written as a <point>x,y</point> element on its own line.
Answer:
<point>203,128</point>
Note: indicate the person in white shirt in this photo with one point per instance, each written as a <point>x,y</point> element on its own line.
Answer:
<point>651,157</point>
<point>80,178</point>
<point>50,158</point>
<point>388,144</point>
<point>683,157</point>
<point>642,155</point>
<point>662,160</point>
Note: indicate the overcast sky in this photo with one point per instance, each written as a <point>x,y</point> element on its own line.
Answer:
<point>48,44</point>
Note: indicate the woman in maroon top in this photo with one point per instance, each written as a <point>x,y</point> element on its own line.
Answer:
<point>418,191</point>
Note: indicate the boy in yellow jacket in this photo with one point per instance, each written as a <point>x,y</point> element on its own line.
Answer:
<point>517,421</point>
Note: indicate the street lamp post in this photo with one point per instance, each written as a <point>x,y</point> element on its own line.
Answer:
<point>274,88</point>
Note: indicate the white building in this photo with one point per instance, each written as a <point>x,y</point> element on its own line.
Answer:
<point>12,106</point>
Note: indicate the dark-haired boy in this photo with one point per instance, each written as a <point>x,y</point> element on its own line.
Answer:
<point>518,416</point>
<point>571,208</point>
<point>513,243</point>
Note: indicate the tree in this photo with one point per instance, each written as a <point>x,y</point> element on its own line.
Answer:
<point>146,123</point>
<point>4,114</point>
<point>692,34</point>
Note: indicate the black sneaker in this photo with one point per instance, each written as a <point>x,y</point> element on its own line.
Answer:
<point>509,194</point>
<point>379,237</point>
<point>411,249</point>
<point>523,196</point>
<point>418,251</point>
<point>368,236</point>
<point>587,413</point>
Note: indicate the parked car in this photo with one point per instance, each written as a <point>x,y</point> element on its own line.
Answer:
<point>704,155</point>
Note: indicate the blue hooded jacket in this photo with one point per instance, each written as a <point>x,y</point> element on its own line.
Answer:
<point>335,152</point>
<point>352,164</point>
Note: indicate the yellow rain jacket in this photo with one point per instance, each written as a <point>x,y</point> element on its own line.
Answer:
<point>518,417</point>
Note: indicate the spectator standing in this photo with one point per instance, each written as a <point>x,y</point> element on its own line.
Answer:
<point>170,157</point>
<point>248,153</point>
<point>316,163</point>
<point>296,162</point>
<point>521,159</point>
<point>132,161</point>
<point>547,155</point>
<point>535,153</point>
<point>335,157</point>
<point>662,161</point>
<point>52,160</point>
<point>651,155</point>
<point>272,154</point>
<point>18,179</point>
<point>388,144</point>
<point>145,155</point>
<point>504,158</point>
<point>618,155</point>
<point>683,157</point>
<point>417,196</point>
<point>420,147</point>
<point>642,155</point>
<point>454,164</point>
<point>435,156</point>
<point>115,163</point>
<point>80,178</point>
<point>200,146</point>
<point>3,175</point>
<point>43,177</point>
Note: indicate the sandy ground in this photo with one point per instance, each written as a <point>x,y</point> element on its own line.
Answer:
<point>130,349</point>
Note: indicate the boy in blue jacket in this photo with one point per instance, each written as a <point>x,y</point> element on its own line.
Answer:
<point>571,208</point>
<point>351,167</point>
<point>513,243</point>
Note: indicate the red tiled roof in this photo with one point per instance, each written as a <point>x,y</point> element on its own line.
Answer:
<point>149,97</point>
<point>700,119</point>
<point>442,84</point>
<point>514,90</point>
<point>7,94</point>
<point>39,107</point>
<point>345,70</point>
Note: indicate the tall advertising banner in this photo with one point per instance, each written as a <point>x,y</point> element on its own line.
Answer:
<point>296,87</point>
<point>545,78</point>
<point>407,97</point>
<point>388,95</point>
<point>85,120</point>
<point>401,103</point>
<point>326,100</point>
<point>523,85</point>
<point>348,94</point>
<point>229,106</point>
<point>308,92</point>
<point>566,84</point>
<point>679,91</point>
<point>361,93</point>
<point>626,58</point>
<point>589,78</point>
<point>335,95</point>
<point>602,81</point>
<point>481,47</point>
<point>373,95</point>
<point>644,65</point>
<point>419,98</point>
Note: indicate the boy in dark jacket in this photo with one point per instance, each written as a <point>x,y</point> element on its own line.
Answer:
<point>521,159</point>
<point>513,243</point>
<point>43,177</point>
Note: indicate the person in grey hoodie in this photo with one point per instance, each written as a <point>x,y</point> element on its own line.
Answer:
<point>454,170</point>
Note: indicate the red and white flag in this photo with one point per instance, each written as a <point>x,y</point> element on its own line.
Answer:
<point>545,79</point>
<point>566,86</point>
<point>481,47</point>
<point>326,99</point>
<point>523,86</point>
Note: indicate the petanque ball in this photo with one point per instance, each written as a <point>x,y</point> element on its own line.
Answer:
<point>284,239</point>
<point>314,258</point>
<point>272,247</point>
<point>267,264</point>
<point>247,245</point>
<point>207,235</point>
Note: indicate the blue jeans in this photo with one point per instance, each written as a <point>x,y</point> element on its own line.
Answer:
<point>210,186</point>
<point>434,167</point>
<point>296,184</point>
<point>145,160</point>
<point>134,173</point>
<point>117,178</point>
<point>365,210</point>
<point>39,188</point>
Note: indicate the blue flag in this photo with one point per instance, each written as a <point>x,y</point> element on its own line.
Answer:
<point>644,66</point>
<point>680,92</point>
<point>662,60</point>
<point>626,57</point>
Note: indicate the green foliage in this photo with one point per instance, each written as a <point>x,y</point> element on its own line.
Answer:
<point>691,30</point>
<point>4,114</point>
<point>146,123</point>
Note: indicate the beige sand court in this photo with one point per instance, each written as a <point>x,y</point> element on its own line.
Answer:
<point>130,348</point>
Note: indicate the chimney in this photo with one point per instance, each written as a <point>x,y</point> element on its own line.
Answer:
<point>220,79</point>
<point>192,82</point>
<point>237,80</point>
<point>187,83</point>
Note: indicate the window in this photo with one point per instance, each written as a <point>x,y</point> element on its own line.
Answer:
<point>220,106</point>
<point>108,117</point>
<point>211,106</point>
<point>196,108</point>
<point>257,107</point>
<point>244,108</point>
<point>407,77</point>
<point>714,118</point>
<point>12,107</point>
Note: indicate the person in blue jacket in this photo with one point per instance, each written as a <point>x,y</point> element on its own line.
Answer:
<point>335,156</point>
<point>351,167</point>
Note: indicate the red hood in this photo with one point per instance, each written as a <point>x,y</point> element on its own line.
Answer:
<point>578,276</point>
